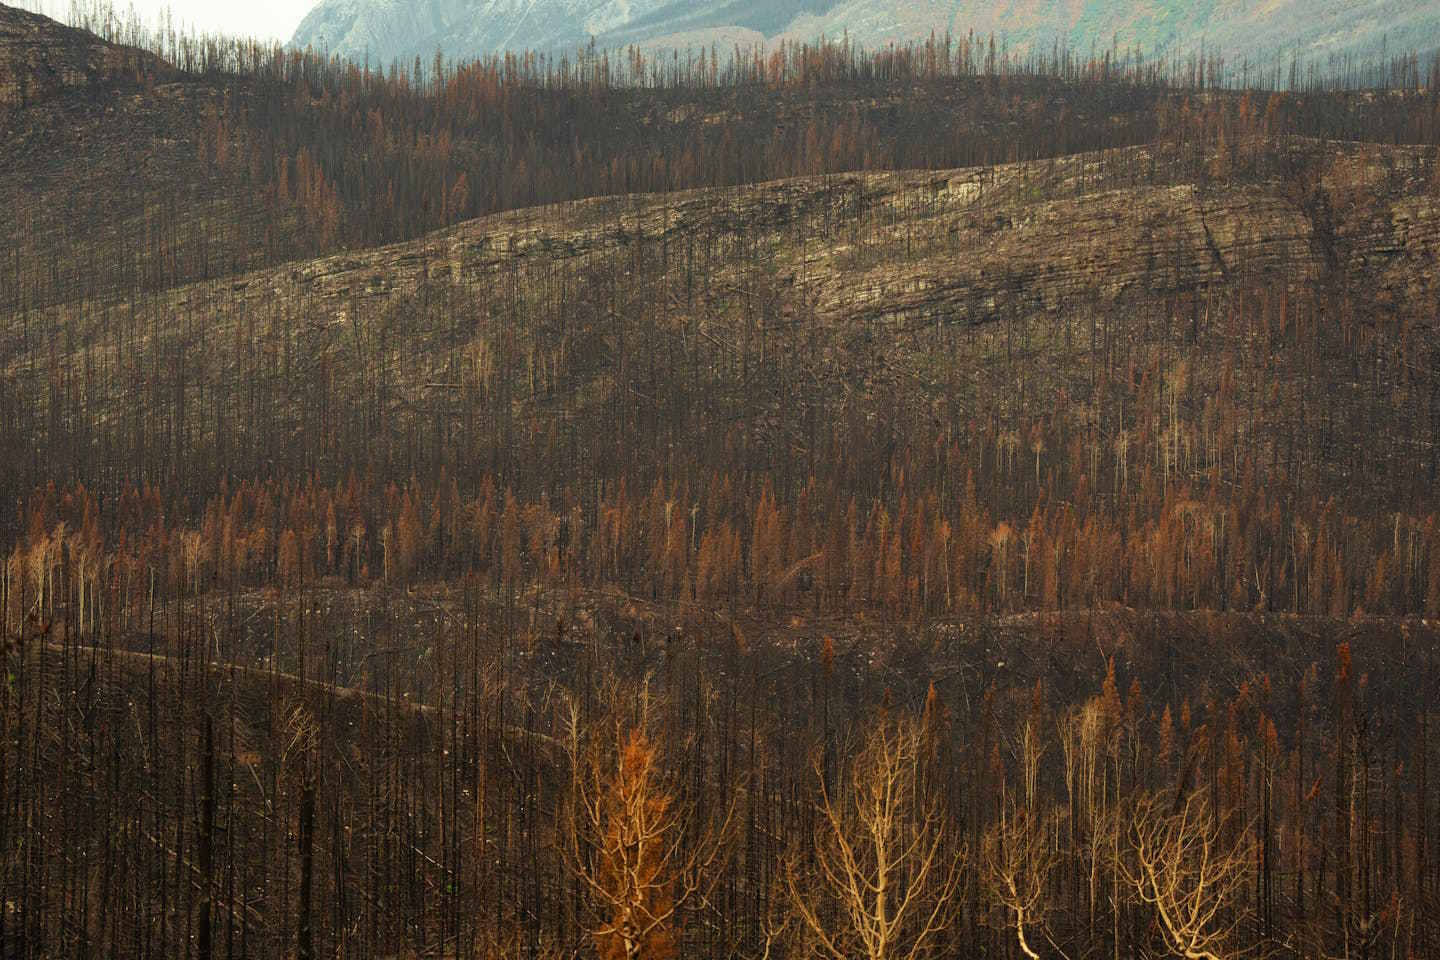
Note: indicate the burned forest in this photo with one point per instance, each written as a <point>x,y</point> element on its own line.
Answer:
<point>744,504</point>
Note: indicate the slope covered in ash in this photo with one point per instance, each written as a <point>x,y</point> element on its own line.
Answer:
<point>40,59</point>
<point>632,328</point>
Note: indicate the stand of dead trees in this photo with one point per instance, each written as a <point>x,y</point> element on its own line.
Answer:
<point>664,806</point>
<point>601,581</point>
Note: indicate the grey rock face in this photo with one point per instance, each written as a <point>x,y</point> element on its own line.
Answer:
<point>401,29</point>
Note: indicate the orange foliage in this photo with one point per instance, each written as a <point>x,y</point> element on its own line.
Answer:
<point>634,850</point>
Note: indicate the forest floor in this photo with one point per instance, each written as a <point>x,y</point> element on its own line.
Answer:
<point>402,648</point>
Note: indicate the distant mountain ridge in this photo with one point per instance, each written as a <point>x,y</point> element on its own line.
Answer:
<point>1253,30</point>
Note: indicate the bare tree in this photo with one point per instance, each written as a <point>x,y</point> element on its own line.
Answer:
<point>1190,866</point>
<point>884,878</point>
<point>1019,856</point>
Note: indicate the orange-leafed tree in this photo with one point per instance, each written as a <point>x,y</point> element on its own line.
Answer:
<point>767,548</point>
<point>637,848</point>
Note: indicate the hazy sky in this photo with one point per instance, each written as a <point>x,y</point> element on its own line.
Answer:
<point>251,18</point>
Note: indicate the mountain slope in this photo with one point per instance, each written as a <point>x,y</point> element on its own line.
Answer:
<point>391,29</point>
<point>862,287</point>
<point>1315,30</point>
<point>108,153</point>
<point>40,59</point>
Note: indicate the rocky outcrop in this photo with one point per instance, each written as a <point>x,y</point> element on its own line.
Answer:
<point>963,246</point>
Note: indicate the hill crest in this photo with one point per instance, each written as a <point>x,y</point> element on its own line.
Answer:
<point>40,58</point>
